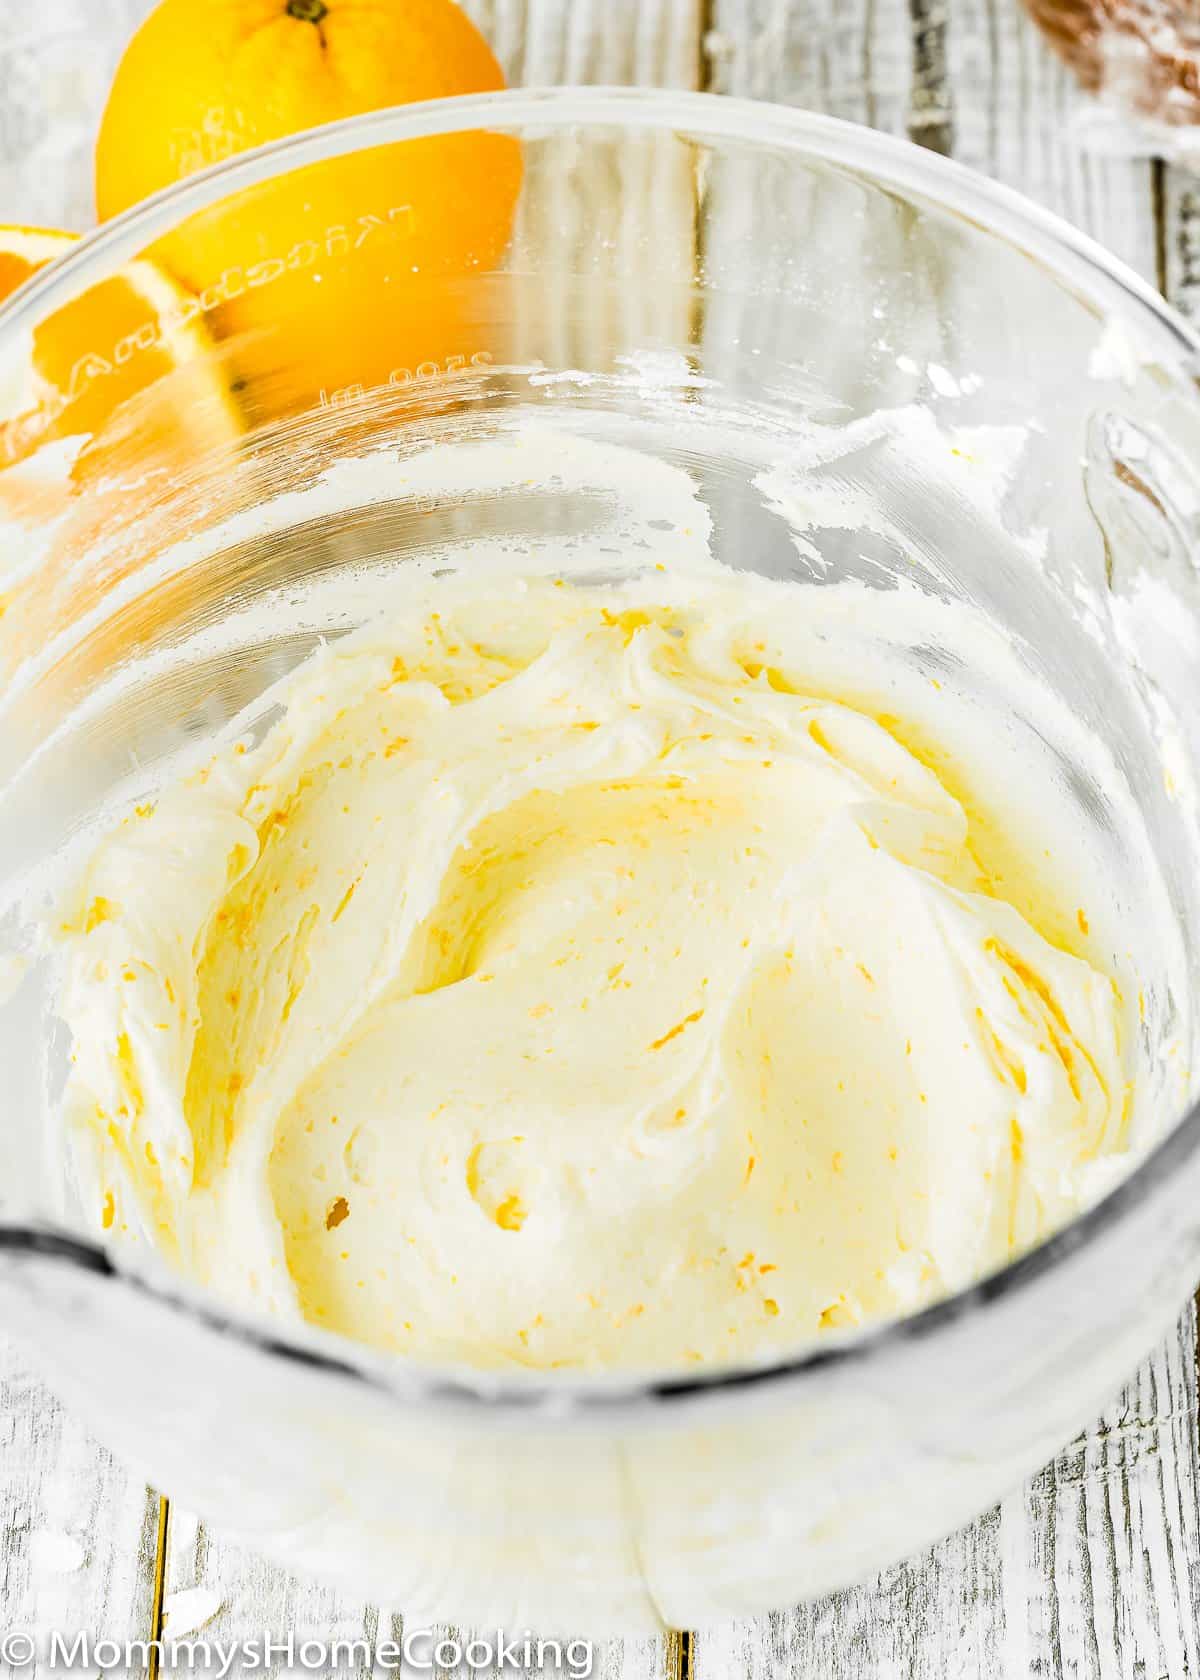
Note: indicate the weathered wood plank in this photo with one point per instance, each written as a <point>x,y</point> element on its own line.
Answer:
<point>219,1591</point>
<point>939,1615</point>
<point>569,205</point>
<point>78,1529</point>
<point>1181,238</point>
<point>537,42</point>
<point>1091,1570</point>
<point>851,60</point>
<point>1101,1552</point>
<point>650,43</point>
<point>974,78</point>
<point>227,1594</point>
<point>1016,110</point>
<point>56,63</point>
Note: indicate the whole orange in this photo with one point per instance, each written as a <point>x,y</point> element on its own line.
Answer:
<point>354,272</point>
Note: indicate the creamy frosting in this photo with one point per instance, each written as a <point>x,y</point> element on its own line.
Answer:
<point>562,976</point>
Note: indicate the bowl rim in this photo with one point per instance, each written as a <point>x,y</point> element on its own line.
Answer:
<point>946,183</point>
<point>1099,279</point>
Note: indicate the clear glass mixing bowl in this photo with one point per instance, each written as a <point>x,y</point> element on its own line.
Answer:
<point>730,289</point>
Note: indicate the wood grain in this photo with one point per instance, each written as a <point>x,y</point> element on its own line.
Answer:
<point>57,59</point>
<point>571,204</point>
<point>1179,199</point>
<point>1101,1553</point>
<point>216,1590</point>
<point>1092,1569</point>
<point>78,1529</point>
<point>650,43</point>
<point>1017,112</point>
<point>850,60</point>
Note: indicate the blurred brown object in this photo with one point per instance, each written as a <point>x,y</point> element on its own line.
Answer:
<point>1142,56</point>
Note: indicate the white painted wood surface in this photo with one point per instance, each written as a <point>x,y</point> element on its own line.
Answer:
<point>77,1531</point>
<point>1093,1569</point>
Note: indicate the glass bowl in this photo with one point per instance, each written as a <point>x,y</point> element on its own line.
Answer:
<point>786,318</point>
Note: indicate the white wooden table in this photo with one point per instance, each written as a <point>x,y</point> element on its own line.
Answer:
<point>1093,1569</point>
